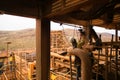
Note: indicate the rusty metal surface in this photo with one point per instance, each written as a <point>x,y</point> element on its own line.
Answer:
<point>85,62</point>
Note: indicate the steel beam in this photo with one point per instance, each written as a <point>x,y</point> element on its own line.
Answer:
<point>42,49</point>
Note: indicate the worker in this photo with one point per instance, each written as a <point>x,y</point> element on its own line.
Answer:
<point>11,61</point>
<point>82,40</point>
<point>80,43</point>
<point>83,54</point>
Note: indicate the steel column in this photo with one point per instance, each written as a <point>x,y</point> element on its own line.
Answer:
<point>42,49</point>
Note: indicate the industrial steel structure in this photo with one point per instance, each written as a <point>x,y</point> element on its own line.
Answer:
<point>104,13</point>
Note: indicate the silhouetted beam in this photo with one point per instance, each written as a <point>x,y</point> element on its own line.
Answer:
<point>94,13</point>
<point>19,3</point>
<point>61,10</point>
<point>93,33</point>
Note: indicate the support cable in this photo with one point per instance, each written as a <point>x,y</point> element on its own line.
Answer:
<point>70,56</point>
<point>74,32</point>
<point>65,35</point>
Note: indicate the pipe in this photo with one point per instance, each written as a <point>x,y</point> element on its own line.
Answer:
<point>86,67</point>
<point>62,57</point>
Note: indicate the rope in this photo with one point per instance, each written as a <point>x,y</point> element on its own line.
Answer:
<point>77,34</point>
<point>70,44</point>
<point>74,32</point>
<point>65,35</point>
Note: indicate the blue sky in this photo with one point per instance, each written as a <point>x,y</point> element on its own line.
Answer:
<point>9,22</point>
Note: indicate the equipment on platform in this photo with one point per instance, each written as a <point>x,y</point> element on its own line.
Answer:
<point>31,71</point>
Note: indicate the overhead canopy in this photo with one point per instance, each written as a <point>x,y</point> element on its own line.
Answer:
<point>26,8</point>
<point>105,13</point>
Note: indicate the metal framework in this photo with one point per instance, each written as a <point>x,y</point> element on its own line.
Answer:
<point>105,13</point>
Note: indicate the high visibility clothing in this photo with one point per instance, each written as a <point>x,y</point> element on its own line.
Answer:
<point>10,58</point>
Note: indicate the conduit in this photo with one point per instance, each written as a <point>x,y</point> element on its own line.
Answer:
<point>83,54</point>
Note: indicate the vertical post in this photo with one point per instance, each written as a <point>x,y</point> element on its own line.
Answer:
<point>111,51</point>
<point>7,53</point>
<point>20,55</point>
<point>53,62</point>
<point>116,34</point>
<point>116,57</point>
<point>99,53</point>
<point>7,50</point>
<point>90,33</point>
<point>98,64</point>
<point>42,49</point>
<point>87,31</point>
<point>70,67</point>
<point>26,60</point>
<point>14,66</point>
<point>106,64</point>
<point>8,46</point>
